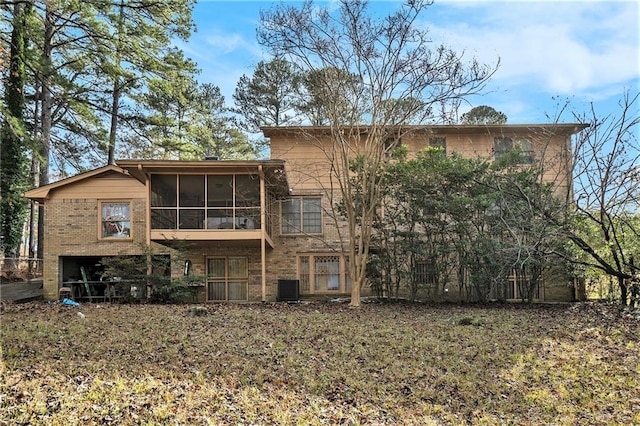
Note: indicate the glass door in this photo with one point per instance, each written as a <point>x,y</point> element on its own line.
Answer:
<point>227,279</point>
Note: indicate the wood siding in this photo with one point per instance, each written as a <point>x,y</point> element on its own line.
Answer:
<point>113,186</point>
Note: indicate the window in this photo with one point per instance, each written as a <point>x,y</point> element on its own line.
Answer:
<point>438,142</point>
<point>115,219</point>
<point>302,215</point>
<point>191,201</point>
<point>164,195</point>
<point>320,273</point>
<point>227,279</point>
<point>524,146</point>
<point>516,286</point>
<point>425,272</point>
<point>205,201</point>
<point>392,143</point>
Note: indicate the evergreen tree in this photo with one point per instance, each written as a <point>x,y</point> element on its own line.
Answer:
<point>484,114</point>
<point>14,165</point>
<point>269,96</point>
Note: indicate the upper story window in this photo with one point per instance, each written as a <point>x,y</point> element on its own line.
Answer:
<point>302,215</point>
<point>205,201</point>
<point>392,143</point>
<point>438,142</point>
<point>503,145</point>
<point>115,219</point>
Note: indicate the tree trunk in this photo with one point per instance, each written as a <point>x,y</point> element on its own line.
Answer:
<point>46,121</point>
<point>115,106</point>
<point>355,293</point>
<point>115,101</point>
<point>13,162</point>
<point>623,291</point>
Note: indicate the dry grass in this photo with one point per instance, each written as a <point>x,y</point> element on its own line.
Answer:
<point>318,364</point>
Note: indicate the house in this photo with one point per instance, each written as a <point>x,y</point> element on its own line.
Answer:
<point>247,230</point>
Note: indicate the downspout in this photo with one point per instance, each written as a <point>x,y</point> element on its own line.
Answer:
<point>147,210</point>
<point>147,185</point>
<point>263,233</point>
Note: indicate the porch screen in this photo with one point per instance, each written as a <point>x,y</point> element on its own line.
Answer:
<point>188,201</point>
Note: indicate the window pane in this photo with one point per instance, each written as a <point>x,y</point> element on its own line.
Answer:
<point>327,273</point>
<point>501,146</point>
<point>248,218</point>
<point>116,220</point>
<point>291,216</point>
<point>303,274</point>
<point>438,142</point>
<point>302,215</point>
<point>347,279</point>
<point>191,191</point>
<point>238,267</point>
<point>215,268</point>
<point>220,219</point>
<point>227,279</point>
<point>312,215</point>
<point>247,191</point>
<point>164,190</point>
<point>191,219</point>
<point>238,290</point>
<point>425,272</point>
<point>220,191</point>
<point>164,218</point>
<point>216,290</point>
<point>525,146</point>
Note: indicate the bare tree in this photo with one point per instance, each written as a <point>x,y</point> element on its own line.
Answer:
<point>391,57</point>
<point>607,191</point>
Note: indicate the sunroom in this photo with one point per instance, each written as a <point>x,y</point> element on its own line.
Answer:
<point>210,200</point>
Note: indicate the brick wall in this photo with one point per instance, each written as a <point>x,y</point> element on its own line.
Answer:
<point>72,228</point>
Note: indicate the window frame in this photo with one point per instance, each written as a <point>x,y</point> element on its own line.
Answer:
<point>307,275</point>
<point>102,222</point>
<point>511,143</point>
<point>425,272</point>
<point>300,226</point>
<point>391,144</point>
<point>233,212</point>
<point>228,279</point>
<point>438,142</point>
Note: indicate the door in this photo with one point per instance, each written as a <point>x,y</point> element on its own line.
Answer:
<point>227,279</point>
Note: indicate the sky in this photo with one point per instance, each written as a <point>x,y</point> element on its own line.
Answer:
<point>550,52</point>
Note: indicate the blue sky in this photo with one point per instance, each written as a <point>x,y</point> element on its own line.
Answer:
<point>550,52</point>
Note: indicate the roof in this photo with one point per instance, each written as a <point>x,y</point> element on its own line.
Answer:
<point>41,193</point>
<point>273,170</point>
<point>552,128</point>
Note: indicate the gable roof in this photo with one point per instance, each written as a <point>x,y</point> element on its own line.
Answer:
<point>42,193</point>
<point>275,176</point>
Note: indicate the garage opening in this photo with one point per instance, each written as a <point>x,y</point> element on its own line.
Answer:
<point>110,278</point>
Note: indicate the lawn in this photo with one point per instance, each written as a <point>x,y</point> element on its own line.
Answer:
<point>319,363</point>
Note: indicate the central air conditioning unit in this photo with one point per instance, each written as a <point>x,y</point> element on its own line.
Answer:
<point>288,291</point>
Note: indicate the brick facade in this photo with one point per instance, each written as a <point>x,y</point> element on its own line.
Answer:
<point>72,216</point>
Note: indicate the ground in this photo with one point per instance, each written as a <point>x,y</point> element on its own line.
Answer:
<point>319,363</point>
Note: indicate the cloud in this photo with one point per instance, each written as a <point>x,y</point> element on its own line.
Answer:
<point>222,56</point>
<point>562,48</point>
<point>225,43</point>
